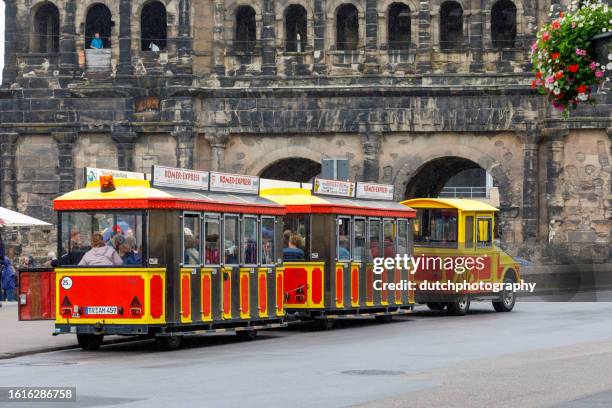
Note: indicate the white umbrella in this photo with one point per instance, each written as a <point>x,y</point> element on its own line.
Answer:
<point>10,218</point>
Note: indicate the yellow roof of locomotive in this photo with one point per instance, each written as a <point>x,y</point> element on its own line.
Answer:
<point>463,204</point>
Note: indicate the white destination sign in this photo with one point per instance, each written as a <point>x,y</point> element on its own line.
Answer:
<point>334,187</point>
<point>180,178</point>
<point>236,183</point>
<point>94,173</point>
<point>375,191</point>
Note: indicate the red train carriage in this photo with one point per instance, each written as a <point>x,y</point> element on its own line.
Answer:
<point>196,253</point>
<point>331,236</point>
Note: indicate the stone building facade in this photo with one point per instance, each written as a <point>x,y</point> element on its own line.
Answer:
<point>410,92</point>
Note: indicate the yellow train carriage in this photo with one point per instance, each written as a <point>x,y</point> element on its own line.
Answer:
<point>455,240</point>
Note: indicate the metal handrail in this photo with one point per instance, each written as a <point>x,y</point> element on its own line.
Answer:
<point>466,192</point>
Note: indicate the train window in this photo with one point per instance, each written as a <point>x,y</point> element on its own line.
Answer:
<point>249,250</point>
<point>359,243</point>
<point>402,237</point>
<point>343,244</point>
<point>212,244</point>
<point>296,237</point>
<point>101,239</point>
<point>191,239</point>
<point>388,238</point>
<point>268,255</point>
<point>469,232</point>
<point>484,233</point>
<point>374,240</point>
<point>230,239</point>
<point>436,228</point>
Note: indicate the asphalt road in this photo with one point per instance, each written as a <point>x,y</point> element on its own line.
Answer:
<point>540,355</point>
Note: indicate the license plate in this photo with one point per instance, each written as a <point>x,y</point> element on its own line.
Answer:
<point>101,310</point>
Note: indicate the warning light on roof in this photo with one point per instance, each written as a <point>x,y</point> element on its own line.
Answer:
<point>107,183</point>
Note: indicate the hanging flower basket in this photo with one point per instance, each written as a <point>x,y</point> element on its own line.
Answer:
<point>564,58</point>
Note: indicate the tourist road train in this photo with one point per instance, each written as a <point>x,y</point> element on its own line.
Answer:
<point>182,252</point>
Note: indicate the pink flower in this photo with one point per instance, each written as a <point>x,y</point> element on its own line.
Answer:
<point>599,74</point>
<point>550,79</point>
<point>580,52</point>
<point>557,105</point>
<point>534,47</point>
<point>573,24</point>
<point>593,65</point>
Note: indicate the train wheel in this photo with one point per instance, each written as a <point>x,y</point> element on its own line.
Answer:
<point>168,343</point>
<point>437,306</point>
<point>507,299</point>
<point>460,307</point>
<point>324,324</point>
<point>384,318</point>
<point>246,334</point>
<point>90,342</point>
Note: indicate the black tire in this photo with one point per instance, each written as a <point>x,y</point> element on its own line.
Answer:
<point>384,318</point>
<point>324,324</point>
<point>460,307</point>
<point>168,343</point>
<point>437,306</point>
<point>246,334</point>
<point>89,341</point>
<point>507,299</point>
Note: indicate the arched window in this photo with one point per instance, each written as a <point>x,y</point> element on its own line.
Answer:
<point>503,24</point>
<point>246,29</point>
<point>45,29</point>
<point>451,25</point>
<point>295,28</point>
<point>99,22</point>
<point>347,27</point>
<point>153,27</point>
<point>398,26</point>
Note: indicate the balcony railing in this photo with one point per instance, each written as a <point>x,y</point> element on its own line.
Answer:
<point>466,192</point>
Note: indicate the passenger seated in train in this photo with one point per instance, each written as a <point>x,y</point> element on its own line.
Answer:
<point>231,253</point>
<point>293,252</point>
<point>126,247</point>
<point>266,247</point>
<point>100,254</point>
<point>192,252</point>
<point>344,253</point>
<point>212,250</point>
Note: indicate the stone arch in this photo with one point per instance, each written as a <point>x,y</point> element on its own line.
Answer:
<point>504,24</point>
<point>414,166</point>
<point>296,169</point>
<point>263,161</point>
<point>45,28</point>
<point>153,25</point>
<point>98,19</point>
<point>245,28</point>
<point>395,24</point>
<point>82,9</point>
<point>332,10</point>
<point>347,24</point>
<point>295,24</point>
<point>451,25</point>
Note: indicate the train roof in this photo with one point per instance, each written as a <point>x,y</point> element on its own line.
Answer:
<point>463,204</point>
<point>300,200</point>
<point>132,194</point>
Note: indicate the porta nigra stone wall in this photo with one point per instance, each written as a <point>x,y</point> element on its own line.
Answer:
<point>410,92</point>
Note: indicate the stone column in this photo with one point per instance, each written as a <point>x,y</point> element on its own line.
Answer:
<point>218,50</point>
<point>423,56</point>
<point>11,37</point>
<point>554,172</point>
<point>125,38</point>
<point>268,38</point>
<point>126,141</point>
<point>68,54</point>
<point>530,208</point>
<point>476,32</point>
<point>371,41</point>
<point>319,37</point>
<point>65,142</point>
<point>185,147</point>
<point>185,42</point>
<point>371,142</point>
<point>8,169</point>
<point>218,143</point>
